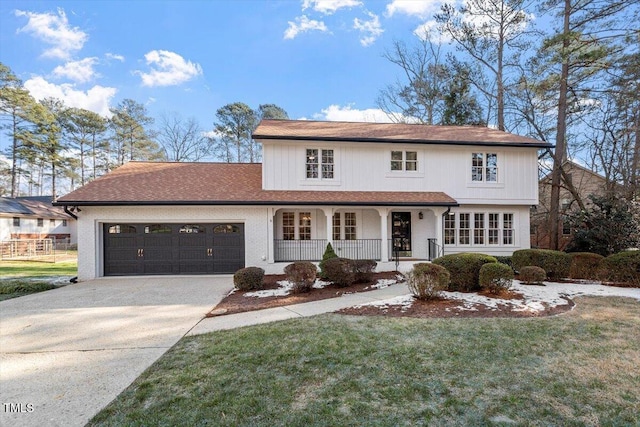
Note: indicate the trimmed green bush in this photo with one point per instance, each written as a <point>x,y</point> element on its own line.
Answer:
<point>464,269</point>
<point>426,281</point>
<point>532,275</point>
<point>340,271</point>
<point>302,274</point>
<point>328,254</point>
<point>623,267</point>
<point>24,286</point>
<point>555,263</point>
<point>505,260</point>
<point>364,269</point>
<point>584,265</point>
<point>496,277</point>
<point>249,278</point>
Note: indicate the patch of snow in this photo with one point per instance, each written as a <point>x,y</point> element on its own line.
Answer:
<point>535,298</point>
<point>319,284</point>
<point>284,289</point>
<point>384,283</point>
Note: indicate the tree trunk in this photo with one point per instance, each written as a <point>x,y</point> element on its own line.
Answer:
<point>560,151</point>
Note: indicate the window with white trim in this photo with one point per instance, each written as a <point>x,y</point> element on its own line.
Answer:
<point>494,229</point>
<point>304,231</point>
<point>464,228</point>
<point>288,226</point>
<point>484,167</point>
<point>319,163</point>
<point>507,229</point>
<point>404,161</point>
<point>450,229</point>
<point>344,229</point>
<point>478,229</point>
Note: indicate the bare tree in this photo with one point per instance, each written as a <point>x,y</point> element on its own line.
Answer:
<point>182,140</point>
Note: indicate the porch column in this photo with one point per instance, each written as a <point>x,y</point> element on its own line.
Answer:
<point>384,248</point>
<point>328,213</point>
<point>271,226</point>
<point>439,224</point>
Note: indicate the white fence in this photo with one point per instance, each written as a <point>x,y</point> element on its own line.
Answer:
<point>26,248</point>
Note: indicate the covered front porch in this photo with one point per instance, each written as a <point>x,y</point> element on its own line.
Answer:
<point>356,232</point>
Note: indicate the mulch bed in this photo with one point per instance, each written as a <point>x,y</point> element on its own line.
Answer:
<point>448,308</point>
<point>238,303</point>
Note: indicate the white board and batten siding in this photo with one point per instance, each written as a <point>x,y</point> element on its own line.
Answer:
<point>445,168</point>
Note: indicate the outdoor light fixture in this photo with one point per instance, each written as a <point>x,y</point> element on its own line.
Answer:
<point>420,215</point>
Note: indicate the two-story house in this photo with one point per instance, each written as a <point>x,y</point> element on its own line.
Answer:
<point>372,190</point>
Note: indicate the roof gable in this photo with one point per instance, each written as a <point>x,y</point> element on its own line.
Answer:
<point>304,130</point>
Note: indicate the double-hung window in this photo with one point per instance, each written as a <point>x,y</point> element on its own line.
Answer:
<point>478,229</point>
<point>404,161</point>
<point>319,163</point>
<point>296,225</point>
<point>507,229</point>
<point>484,167</point>
<point>344,230</point>
<point>450,229</point>
<point>465,226</point>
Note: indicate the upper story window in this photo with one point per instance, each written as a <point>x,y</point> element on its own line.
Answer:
<point>52,222</point>
<point>64,222</point>
<point>40,222</point>
<point>484,167</point>
<point>16,221</point>
<point>320,163</point>
<point>404,161</point>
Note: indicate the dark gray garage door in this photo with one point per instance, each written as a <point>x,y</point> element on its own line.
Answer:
<point>144,248</point>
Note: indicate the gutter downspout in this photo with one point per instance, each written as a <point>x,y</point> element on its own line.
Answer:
<point>68,212</point>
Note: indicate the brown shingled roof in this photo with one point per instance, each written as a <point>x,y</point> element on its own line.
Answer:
<point>389,133</point>
<point>164,183</point>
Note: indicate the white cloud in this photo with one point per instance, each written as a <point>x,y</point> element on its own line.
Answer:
<point>54,30</point>
<point>115,57</point>
<point>429,31</point>
<point>370,30</point>
<point>303,25</point>
<point>96,99</point>
<point>168,69</point>
<point>329,6</point>
<point>79,71</point>
<point>346,113</point>
<point>419,8</point>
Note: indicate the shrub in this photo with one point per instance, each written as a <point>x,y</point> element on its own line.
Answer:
<point>555,263</point>
<point>249,278</point>
<point>329,253</point>
<point>464,269</point>
<point>364,269</point>
<point>532,275</point>
<point>426,280</point>
<point>584,265</point>
<point>24,286</point>
<point>302,274</point>
<point>496,277</point>
<point>340,271</point>
<point>505,260</point>
<point>623,267</point>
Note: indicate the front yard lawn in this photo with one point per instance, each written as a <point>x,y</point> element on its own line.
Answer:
<point>580,368</point>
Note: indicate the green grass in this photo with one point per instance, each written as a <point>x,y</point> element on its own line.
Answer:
<point>578,369</point>
<point>20,287</point>
<point>39,269</point>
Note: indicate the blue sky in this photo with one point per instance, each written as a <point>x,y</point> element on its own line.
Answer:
<point>316,59</point>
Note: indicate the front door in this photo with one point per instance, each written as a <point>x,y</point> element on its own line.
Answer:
<point>401,233</point>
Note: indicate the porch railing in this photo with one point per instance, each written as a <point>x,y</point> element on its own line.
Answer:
<point>312,250</point>
<point>359,249</point>
<point>298,250</point>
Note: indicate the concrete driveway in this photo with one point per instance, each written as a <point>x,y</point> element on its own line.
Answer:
<point>66,353</point>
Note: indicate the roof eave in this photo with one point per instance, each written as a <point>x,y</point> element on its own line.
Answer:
<point>247,203</point>
<point>541,144</point>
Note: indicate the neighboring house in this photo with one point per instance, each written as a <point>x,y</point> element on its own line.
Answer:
<point>373,190</point>
<point>35,218</point>
<point>584,182</point>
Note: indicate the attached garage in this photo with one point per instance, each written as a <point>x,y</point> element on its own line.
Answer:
<point>173,248</point>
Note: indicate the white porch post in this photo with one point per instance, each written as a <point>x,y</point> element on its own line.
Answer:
<point>439,236</point>
<point>384,248</point>
<point>271,225</point>
<point>328,213</point>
